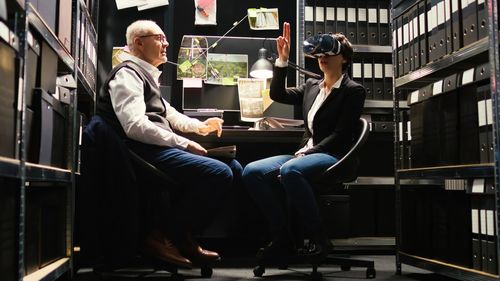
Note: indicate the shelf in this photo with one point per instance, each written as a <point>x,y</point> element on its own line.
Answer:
<point>39,24</point>
<point>450,270</point>
<point>463,59</point>
<point>82,80</point>
<point>372,49</point>
<point>37,172</point>
<point>50,272</point>
<point>458,171</point>
<point>9,167</point>
<point>385,181</point>
<point>384,104</point>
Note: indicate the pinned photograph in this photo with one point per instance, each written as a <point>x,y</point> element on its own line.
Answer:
<point>250,94</point>
<point>225,69</point>
<point>192,59</point>
<point>205,12</point>
<point>263,18</point>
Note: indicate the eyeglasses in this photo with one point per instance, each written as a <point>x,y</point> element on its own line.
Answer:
<point>160,37</point>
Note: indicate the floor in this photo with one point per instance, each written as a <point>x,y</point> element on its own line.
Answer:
<point>240,269</point>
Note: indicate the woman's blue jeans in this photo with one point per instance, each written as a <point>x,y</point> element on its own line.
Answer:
<point>280,182</point>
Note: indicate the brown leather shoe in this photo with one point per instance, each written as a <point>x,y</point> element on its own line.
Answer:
<point>160,247</point>
<point>192,250</point>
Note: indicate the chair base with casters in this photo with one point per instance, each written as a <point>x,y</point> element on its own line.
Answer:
<point>332,182</point>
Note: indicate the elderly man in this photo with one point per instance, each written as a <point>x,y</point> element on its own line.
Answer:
<point>131,103</point>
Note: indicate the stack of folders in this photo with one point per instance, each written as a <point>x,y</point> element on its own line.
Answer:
<point>483,225</point>
<point>363,22</point>
<point>375,74</point>
<point>447,118</point>
<point>431,29</point>
<point>87,60</point>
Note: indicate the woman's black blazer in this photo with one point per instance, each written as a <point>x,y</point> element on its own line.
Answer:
<point>335,121</point>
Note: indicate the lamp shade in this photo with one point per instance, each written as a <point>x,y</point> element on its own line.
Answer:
<point>262,68</point>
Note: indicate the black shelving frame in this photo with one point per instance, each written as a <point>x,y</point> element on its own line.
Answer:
<point>481,51</point>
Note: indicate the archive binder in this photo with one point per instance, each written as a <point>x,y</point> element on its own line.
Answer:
<point>368,78</point>
<point>482,19</point>
<point>469,21</point>
<point>448,30</point>
<point>330,17</point>
<point>399,47</point>
<point>378,79</point>
<point>414,46</point>
<point>362,24</point>
<point>388,82</point>
<point>341,17</point>
<point>319,19</point>
<point>476,238</point>
<point>309,20</point>
<point>422,31</point>
<point>406,45</point>
<point>456,25</point>
<point>383,20</point>
<point>373,32</point>
<point>7,100</point>
<point>351,25</point>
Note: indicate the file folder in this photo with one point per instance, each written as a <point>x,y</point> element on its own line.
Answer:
<point>373,32</point>
<point>422,30</point>
<point>319,20</point>
<point>351,25</point>
<point>400,56</point>
<point>469,21</point>
<point>362,24</point>
<point>368,78</point>
<point>388,80</point>
<point>341,17</point>
<point>383,17</point>
<point>456,25</point>
<point>468,126</point>
<point>406,44</point>
<point>448,28</point>
<point>378,80</point>
<point>330,17</point>
<point>482,19</point>
<point>484,128</point>
<point>309,20</point>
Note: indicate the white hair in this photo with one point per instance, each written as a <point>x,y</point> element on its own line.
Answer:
<point>139,28</point>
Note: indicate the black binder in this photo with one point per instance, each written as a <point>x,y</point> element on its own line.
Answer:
<point>388,80</point>
<point>368,77</point>
<point>399,45</point>
<point>469,23</point>
<point>32,70</point>
<point>448,27</point>
<point>417,128</point>
<point>414,45</point>
<point>484,130</point>
<point>482,73</point>
<point>48,68</point>
<point>378,79</point>
<point>330,17</point>
<point>475,233</point>
<point>456,25</point>
<point>383,20</point>
<point>422,30</point>
<point>341,17</point>
<point>373,32</point>
<point>402,139</point>
<point>351,25</point>
<point>468,126</point>
<point>482,19</point>
<point>319,18</point>
<point>406,43</point>
<point>309,19</point>
<point>362,17</point>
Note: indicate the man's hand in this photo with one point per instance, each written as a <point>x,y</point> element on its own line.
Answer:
<point>283,43</point>
<point>196,148</point>
<point>210,125</point>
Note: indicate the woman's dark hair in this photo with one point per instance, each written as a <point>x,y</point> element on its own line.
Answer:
<point>346,50</point>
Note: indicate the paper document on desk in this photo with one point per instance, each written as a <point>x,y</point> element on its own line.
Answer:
<point>223,151</point>
<point>277,123</point>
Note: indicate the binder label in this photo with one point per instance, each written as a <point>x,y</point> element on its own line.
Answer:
<point>384,16</point>
<point>351,14</point>
<point>440,13</point>
<point>330,13</point>
<point>388,70</point>
<point>474,219</point>
<point>372,15</point>
<point>489,223</point>
<point>367,70</point>
<point>308,13</point>
<point>478,186</point>
<point>408,130</point>
<point>405,34</point>
<point>378,68</point>
<point>489,112</point>
<point>361,14</point>
<point>454,6</point>
<point>356,70</point>
<point>340,14</point>
<point>481,114</point>
<point>414,97</point>
<point>468,76</point>
<point>320,14</point>
<point>400,124</point>
<point>421,22</point>
<point>437,88</point>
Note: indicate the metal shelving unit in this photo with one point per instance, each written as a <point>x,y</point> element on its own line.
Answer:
<point>21,174</point>
<point>481,51</point>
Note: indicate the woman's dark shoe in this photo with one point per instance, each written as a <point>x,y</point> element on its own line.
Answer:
<point>316,250</point>
<point>276,249</point>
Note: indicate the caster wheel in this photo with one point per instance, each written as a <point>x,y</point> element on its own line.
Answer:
<point>206,272</point>
<point>258,271</point>
<point>316,276</point>
<point>370,273</point>
<point>345,268</point>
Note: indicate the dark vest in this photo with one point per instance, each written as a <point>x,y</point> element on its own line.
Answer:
<point>155,108</point>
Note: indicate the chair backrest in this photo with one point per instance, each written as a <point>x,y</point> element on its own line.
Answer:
<point>345,169</point>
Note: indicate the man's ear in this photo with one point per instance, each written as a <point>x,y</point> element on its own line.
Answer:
<point>138,42</point>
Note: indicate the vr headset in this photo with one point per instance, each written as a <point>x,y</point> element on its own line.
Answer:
<point>321,45</point>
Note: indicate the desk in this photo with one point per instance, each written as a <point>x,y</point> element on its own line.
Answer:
<point>253,144</point>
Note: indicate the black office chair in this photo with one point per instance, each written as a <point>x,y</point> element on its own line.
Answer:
<point>118,194</point>
<point>333,181</point>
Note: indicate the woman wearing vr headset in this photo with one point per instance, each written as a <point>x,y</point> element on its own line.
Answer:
<point>331,109</point>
